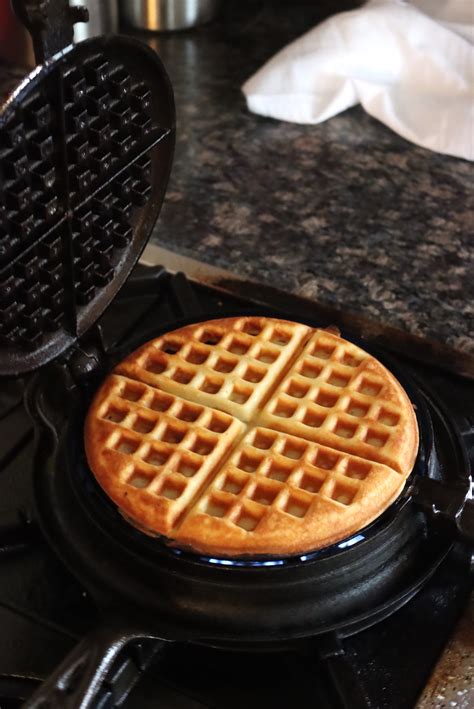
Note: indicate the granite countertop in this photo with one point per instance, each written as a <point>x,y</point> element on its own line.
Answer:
<point>346,212</point>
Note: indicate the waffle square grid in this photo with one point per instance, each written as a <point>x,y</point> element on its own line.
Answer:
<point>282,483</point>
<point>309,452</point>
<point>231,369</point>
<point>336,395</point>
<point>161,445</point>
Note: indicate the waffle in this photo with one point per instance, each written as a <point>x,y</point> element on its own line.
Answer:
<point>288,489</point>
<point>228,364</point>
<point>152,451</point>
<point>251,436</point>
<point>340,396</point>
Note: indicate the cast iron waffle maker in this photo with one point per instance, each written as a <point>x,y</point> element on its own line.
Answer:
<point>163,593</point>
<point>85,151</point>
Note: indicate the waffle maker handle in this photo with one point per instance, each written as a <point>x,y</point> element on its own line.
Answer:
<point>465,523</point>
<point>86,676</point>
<point>50,23</point>
<point>451,505</point>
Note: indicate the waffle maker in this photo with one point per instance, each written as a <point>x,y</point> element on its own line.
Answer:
<point>86,144</point>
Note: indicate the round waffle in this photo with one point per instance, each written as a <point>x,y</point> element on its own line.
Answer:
<point>251,435</point>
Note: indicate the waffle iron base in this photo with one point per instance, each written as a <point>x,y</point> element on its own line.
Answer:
<point>182,597</point>
<point>150,294</point>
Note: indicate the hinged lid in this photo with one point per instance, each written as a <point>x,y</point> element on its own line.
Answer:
<point>86,146</point>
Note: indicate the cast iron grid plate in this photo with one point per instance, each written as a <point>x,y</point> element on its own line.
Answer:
<point>86,144</point>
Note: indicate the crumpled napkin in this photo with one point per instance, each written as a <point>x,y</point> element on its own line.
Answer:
<point>411,65</point>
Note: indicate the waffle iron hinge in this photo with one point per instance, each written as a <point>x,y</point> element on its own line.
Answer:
<point>87,359</point>
<point>50,23</point>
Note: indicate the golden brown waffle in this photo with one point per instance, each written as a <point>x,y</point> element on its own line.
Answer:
<point>251,436</point>
<point>340,396</point>
<point>285,493</point>
<point>230,364</point>
<point>156,450</point>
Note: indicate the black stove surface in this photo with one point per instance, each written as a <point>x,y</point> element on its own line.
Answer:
<point>44,610</point>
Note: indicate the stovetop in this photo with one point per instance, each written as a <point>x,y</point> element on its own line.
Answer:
<point>44,610</point>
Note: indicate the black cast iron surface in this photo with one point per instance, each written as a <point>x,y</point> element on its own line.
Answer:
<point>41,605</point>
<point>86,145</point>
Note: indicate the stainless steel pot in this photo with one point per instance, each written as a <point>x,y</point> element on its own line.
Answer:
<point>165,15</point>
<point>103,18</point>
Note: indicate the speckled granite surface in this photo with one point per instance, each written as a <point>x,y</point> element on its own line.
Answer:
<point>452,681</point>
<point>345,212</point>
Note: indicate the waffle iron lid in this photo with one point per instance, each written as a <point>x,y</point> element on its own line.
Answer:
<point>86,147</point>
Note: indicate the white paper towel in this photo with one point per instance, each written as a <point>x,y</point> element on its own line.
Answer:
<point>411,65</point>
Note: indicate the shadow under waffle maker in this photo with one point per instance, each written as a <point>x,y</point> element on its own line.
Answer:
<point>358,624</point>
